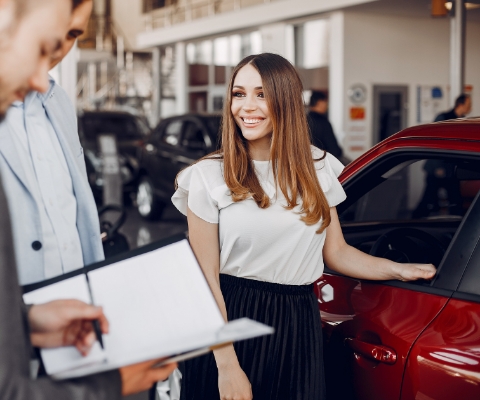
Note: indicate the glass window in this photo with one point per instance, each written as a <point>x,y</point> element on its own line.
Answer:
<point>220,51</point>
<point>172,133</point>
<point>235,49</point>
<point>312,44</point>
<point>409,210</point>
<point>193,138</point>
<point>416,189</point>
<point>255,42</point>
<point>124,127</point>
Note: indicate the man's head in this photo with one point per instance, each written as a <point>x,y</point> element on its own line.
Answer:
<point>31,34</point>
<point>463,105</point>
<point>78,24</point>
<point>319,102</point>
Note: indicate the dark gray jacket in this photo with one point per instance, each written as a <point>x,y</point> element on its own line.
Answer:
<point>15,348</point>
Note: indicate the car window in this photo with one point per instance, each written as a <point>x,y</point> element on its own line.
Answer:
<point>409,210</point>
<point>213,124</point>
<point>193,138</point>
<point>172,133</point>
<point>124,127</point>
<point>416,189</point>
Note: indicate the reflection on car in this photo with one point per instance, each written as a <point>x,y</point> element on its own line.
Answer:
<point>130,132</point>
<point>412,198</point>
<point>174,144</point>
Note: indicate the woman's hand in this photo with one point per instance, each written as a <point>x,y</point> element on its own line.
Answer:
<point>343,258</point>
<point>233,384</point>
<point>412,272</point>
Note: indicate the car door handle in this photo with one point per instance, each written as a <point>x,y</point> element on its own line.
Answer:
<point>376,352</point>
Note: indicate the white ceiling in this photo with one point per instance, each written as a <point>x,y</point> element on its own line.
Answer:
<point>408,8</point>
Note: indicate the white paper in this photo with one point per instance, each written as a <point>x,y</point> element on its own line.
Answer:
<point>158,304</point>
<point>60,359</point>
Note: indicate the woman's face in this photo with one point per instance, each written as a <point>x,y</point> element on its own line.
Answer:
<point>249,107</point>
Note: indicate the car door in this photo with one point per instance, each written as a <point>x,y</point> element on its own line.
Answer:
<point>161,156</point>
<point>370,327</point>
<point>444,363</point>
<point>195,142</point>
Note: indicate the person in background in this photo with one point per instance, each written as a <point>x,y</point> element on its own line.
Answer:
<point>31,34</point>
<point>262,220</point>
<point>320,127</point>
<point>442,189</point>
<point>462,107</point>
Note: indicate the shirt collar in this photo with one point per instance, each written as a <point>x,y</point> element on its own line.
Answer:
<point>49,93</point>
<point>42,96</point>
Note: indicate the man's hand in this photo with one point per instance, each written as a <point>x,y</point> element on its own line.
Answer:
<point>65,323</point>
<point>139,377</point>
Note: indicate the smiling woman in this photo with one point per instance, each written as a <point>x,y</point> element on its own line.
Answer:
<point>261,218</point>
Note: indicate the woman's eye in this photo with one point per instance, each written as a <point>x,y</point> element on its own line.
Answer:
<point>237,94</point>
<point>261,94</point>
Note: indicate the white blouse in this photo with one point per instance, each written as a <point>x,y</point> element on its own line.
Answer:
<point>271,244</point>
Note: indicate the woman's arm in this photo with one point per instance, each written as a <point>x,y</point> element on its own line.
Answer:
<point>203,237</point>
<point>343,258</point>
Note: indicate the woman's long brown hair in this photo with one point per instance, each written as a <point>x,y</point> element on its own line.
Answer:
<point>290,150</point>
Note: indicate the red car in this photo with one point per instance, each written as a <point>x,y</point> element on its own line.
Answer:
<point>412,198</point>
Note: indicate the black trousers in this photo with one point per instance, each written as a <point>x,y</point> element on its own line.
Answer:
<point>287,365</point>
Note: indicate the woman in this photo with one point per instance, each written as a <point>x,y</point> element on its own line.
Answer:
<point>261,213</point>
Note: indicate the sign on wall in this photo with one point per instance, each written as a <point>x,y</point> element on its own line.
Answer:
<point>356,139</point>
<point>431,101</point>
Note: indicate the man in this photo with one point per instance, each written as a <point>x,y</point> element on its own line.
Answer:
<point>31,33</point>
<point>53,213</point>
<point>441,185</point>
<point>462,107</point>
<point>320,127</point>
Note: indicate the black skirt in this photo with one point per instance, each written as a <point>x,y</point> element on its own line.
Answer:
<point>287,365</point>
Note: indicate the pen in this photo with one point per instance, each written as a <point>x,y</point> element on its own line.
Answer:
<point>95,322</point>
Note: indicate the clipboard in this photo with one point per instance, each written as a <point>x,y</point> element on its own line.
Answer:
<point>158,304</point>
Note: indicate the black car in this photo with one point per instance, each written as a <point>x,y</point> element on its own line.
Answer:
<point>130,131</point>
<point>174,144</point>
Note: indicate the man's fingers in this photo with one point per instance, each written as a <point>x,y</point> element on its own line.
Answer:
<point>75,309</point>
<point>163,372</point>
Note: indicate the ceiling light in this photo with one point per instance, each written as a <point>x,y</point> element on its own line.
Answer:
<point>468,6</point>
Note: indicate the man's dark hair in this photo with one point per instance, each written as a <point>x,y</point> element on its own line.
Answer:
<point>461,99</point>
<point>317,96</point>
<point>76,3</point>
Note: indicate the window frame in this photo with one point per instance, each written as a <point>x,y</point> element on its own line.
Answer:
<point>460,249</point>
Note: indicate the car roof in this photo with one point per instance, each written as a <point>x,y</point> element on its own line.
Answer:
<point>460,129</point>
<point>108,112</point>
<point>464,131</point>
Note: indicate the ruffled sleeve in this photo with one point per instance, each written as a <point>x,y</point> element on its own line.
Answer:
<point>328,171</point>
<point>202,189</point>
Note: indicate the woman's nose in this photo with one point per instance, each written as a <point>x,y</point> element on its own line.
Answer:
<point>249,103</point>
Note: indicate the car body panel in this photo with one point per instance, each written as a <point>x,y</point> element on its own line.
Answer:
<point>445,362</point>
<point>374,314</point>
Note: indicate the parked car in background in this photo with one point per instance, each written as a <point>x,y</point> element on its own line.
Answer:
<point>174,144</point>
<point>130,131</point>
<point>412,198</point>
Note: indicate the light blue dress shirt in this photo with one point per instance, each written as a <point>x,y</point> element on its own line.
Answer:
<point>49,182</point>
